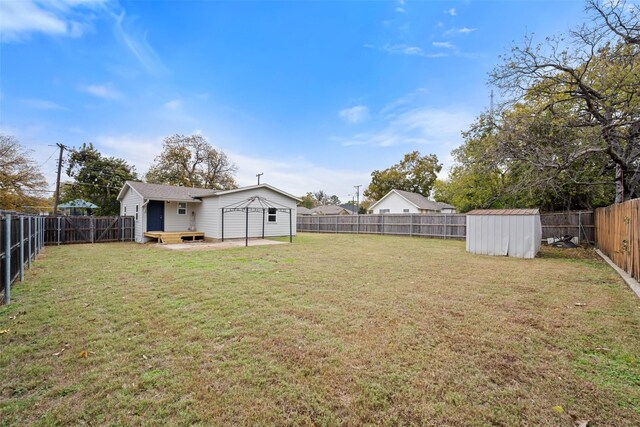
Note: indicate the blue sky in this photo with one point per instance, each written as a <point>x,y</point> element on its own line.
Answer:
<point>314,94</point>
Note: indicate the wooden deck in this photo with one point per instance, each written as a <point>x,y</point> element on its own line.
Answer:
<point>173,236</point>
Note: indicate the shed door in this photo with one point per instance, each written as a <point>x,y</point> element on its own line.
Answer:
<point>155,215</point>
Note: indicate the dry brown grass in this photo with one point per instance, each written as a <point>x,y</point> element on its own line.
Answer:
<point>332,330</point>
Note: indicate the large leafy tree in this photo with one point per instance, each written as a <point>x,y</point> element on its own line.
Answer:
<point>500,164</point>
<point>191,161</point>
<point>96,179</point>
<point>586,86</point>
<point>415,173</point>
<point>22,185</point>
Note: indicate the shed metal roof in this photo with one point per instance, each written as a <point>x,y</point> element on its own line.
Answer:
<point>504,212</point>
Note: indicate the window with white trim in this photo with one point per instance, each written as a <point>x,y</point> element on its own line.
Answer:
<point>383,211</point>
<point>272,215</point>
<point>136,212</point>
<point>405,210</point>
<point>125,210</point>
<point>182,208</point>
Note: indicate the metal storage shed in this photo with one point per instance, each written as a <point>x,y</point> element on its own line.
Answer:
<point>504,232</point>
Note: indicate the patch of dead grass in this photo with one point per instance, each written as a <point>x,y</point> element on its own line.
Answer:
<point>332,330</point>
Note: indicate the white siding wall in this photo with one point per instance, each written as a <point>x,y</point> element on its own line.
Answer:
<point>395,204</point>
<point>128,208</point>
<point>175,222</point>
<point>209,214</point>
<point>504,235</point>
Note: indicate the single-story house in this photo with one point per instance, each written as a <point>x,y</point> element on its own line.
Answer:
<point>167,208</point>
<point>330,210</point>
<point>399,201</point>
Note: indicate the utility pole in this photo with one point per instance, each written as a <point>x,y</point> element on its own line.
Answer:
<point>57,199</point>
<point>259,175</point>
<point>357,187</point>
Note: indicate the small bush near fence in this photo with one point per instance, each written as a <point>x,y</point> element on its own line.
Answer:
<point>445,226</point>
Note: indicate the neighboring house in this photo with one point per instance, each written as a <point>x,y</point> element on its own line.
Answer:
<point>399,201</point>
<point>304,211</point>
<point>159,207</point>
<point>350,207</point>
<point>330,210</point>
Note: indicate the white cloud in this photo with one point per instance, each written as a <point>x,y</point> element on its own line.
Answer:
<point>451,11</point>
<point>42,104</point>
<point>136,150</point>
<point>403,49</point>
<point>20,19</point>
<point>101,91</point>
<point>175,104</point>
<point>466,30</point>
<point>355,114</point>
<point>434,127</point>
<point>136,41</point>
<point>446,45</point>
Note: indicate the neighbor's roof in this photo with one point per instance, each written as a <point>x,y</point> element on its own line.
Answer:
<point>504,212</point>
<point>301,210</point>
<point>166,192</point>
<point>418,200</point>
<point>77,203</point>
<point>329,210</point>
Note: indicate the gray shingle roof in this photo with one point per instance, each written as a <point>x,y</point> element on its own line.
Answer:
<point>422,202</point>
<point>168,192</point>
<point>329,210</point>
<point>301,210</point>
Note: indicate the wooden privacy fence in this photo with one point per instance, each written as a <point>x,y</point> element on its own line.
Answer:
<point>21,240</point>
<point>446,226</point>
<point>452,226</point>
<point>88,229</point>
<point>618,235</point>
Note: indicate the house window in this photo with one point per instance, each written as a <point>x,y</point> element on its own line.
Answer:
<point>182,208</point>
<point>272,215</point>
<point>384,211</point>
<point>405,210</point>
<point>125,211</point>
<point>136,212</point>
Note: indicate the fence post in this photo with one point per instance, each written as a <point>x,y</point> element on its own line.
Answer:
<point>59,226</point>
<point>411,225</point>
<point>336,224</point>
<point>7,259</point>
<point>382,228</point>
<point>445,226</point>
<point>29,244</point>
<point>21,248</point>
<point>92,227</point>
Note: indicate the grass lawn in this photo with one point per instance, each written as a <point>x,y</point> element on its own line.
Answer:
<point>331,330</point>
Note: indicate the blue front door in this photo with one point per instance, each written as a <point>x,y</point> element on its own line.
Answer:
<point>155,215</point>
